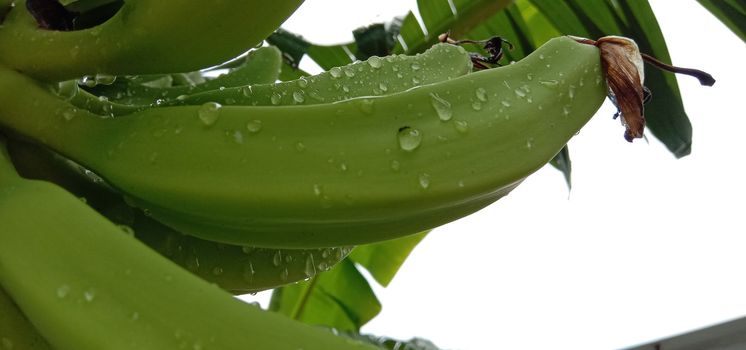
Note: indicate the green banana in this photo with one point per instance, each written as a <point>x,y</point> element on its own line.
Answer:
<point>261,66</point>
<point>90,279</point>
<point>237,269</point>
<point>357,171</point>
<point>144,36</point>
<point>130,95</point>
<point>375,76</point>
<point>16,332</point>
<point>439,63</point>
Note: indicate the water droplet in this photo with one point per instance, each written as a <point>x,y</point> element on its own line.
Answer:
<point>416,80</point>
<point>349,73</point>
<point>323,266</point>
<point>565,111</point>
<point>520,93</point>
<point>310,268</point>
<point>277,258</point>
<point>134,316</point>
<point>461,126</point>
<point>325,253</point>
<point>571,92</point>
<point>342,166</point>
<point>89,295</point>
<point>217,271</point>
<point>275,98</point>
<point>284,274</point>
<point>248,272</point>
<point>63,291</point>
<point>375,62</point>
<point>442,107</point>
<point>366,105</point>
<point>383,87</point>
<point>424,180</point>
<point>300,147</point>
<point>238,137</point>
<point>541,56</point>
<point>481,94</point>
<point>299,97</point>
<point>247,250</point>
<point>530,143</point>
<point>461,183</point>
<point>105,79</point>
<point>549,83</point>
<point>476,105</point>
<point>409,138</point>
<point>302,82</point>
<point>395,165</point>
<point>247,90</point>
<point>415,66</point>
<point>209,113</point>
<point>530,76</point>
<point>335,72</point>
<point>505,103</point>
<point>254,126</point>
<point>69,114</point>
<point>317,189</point>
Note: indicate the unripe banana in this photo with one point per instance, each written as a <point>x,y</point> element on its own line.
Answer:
<point>87,286</point>
<point>237,269</point>
<point>16,332</point>
<point>357,171</point>
<point>144,36</point>
<point>439,63</point>
<point>261,66</point>
<point>376,76</point>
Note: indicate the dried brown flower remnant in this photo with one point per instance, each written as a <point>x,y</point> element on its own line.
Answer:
<point>623,66</point>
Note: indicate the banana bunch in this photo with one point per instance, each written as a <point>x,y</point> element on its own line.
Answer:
<point>349,172</point>
<point>164,192</point>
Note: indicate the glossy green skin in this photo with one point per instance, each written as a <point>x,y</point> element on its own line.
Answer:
<point>95,288</point>
<point>16,332</point>
<point>322,175</point>
<point>145,36</point>
<point>237,269</point>
<point>262,66</point>
<point>373,77</point>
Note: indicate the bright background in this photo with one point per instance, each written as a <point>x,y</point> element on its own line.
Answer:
<point>644,246</point>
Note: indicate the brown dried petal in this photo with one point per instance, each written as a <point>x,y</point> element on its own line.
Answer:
<point>623,65</point>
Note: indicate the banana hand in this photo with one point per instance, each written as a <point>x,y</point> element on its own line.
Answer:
<point>373,168</point>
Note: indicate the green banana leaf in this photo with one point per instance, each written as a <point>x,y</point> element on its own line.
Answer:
<point>731,12</point>
<point>384,259</point>
<point>340,298</point>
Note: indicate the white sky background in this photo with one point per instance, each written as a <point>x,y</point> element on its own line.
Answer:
<point>643,247</point>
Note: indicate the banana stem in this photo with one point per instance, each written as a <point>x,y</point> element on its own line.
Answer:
<point>703,77</point>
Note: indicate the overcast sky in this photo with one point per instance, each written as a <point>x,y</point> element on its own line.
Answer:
<point>643,247</point>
